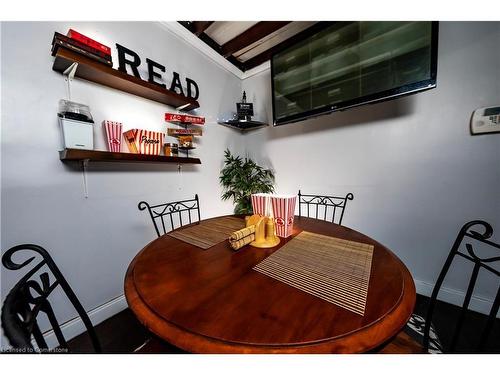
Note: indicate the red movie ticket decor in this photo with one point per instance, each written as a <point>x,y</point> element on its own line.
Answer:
<point>89,42</point>
<point>146,142</point>
<point>113,135</point>
<point>284,211</point>
<point>178,117</point>
<point>176,132</point>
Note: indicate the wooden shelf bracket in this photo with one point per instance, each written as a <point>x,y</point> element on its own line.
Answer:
<point>85,164</point>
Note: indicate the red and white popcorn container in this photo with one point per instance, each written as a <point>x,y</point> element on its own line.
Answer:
<point>283,207</point>
<point>261,204</point>
<point>113,131</point>
<point>140,141</point>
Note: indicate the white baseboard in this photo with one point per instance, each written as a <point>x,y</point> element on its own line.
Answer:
<point>74,327</point>
<point>456,297</point>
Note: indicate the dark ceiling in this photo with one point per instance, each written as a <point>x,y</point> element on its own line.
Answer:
<point>247,44</point>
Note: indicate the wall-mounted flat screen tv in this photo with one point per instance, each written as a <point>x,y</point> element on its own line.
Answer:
<point>347,64</point>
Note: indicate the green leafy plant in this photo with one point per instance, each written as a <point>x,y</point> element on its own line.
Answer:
<point>240,178</point>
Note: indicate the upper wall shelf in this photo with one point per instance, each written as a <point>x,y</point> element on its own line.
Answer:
<point>94,71</point>
<point>71,154</point>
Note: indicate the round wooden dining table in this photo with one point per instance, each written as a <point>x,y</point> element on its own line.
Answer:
<point>212,301</point>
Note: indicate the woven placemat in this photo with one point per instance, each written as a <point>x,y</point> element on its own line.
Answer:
<point>209,232</point>
<point>333,269</point>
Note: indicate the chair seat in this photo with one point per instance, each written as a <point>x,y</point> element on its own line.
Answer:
<point>415,328</point>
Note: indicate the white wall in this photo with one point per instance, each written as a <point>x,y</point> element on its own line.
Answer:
<point>416,173</point>
<point>93,240</point>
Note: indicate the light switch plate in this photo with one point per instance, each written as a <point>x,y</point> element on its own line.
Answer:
<point>485,120</point>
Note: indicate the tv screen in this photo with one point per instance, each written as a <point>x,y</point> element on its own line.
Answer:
<point>347,64</point>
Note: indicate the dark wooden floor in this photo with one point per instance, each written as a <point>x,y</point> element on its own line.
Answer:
<point>122,333</point>
<point>445,318</point>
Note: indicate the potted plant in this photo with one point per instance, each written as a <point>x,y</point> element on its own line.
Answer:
<point>240,178</point>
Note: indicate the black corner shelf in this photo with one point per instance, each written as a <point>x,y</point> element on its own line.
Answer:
<point>244,125</point>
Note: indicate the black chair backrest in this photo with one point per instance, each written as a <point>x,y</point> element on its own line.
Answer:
<point>30,296</point>
<point>480,231</point>
<point>175,211</point>
<point>322,206</point>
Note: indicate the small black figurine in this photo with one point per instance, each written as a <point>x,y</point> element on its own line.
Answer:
<point>244,109</point>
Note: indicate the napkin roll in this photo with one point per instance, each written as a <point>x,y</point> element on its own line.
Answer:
<point>242,237</point>
<point>239,234</point>
<point>236,244</point>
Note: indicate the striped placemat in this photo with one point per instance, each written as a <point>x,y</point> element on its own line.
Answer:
<point>209,232</point>
<point>333,269</point>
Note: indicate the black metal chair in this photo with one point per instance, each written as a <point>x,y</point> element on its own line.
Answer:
<point>174,211</point>
<point>474,232</point>
<point>336,206</point>
<point>30,296</point>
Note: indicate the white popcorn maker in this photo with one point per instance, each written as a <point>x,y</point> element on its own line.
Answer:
<point>77,125</point>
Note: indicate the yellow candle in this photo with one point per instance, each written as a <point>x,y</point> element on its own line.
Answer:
<point>270,229</point>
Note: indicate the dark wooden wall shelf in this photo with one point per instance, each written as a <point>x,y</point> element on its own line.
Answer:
<point>71,154</point>
<point>94,71</point>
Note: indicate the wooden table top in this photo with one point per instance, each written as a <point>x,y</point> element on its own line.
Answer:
<point>211,301</point>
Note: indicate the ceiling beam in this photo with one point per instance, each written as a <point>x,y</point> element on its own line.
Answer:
<point>190,25</point>
<point>252,35</point>
<point>196,27</point>
<point>212,43</point>
<point>201,26</point>
<point>266,55</point>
